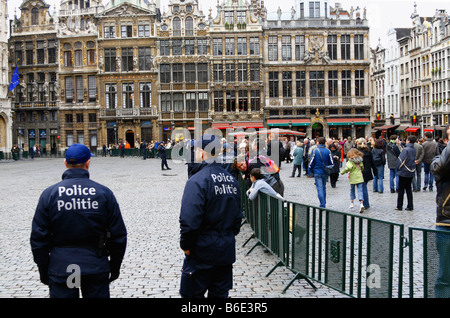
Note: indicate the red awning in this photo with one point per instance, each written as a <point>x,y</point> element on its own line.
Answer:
<point>429,129</point>
<point>244,125</point>
<point>412,129</point>
<point>285,122</point>
<point>385,127</point>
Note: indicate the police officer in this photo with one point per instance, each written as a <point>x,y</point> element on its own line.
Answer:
<point>162,152</point>
<point>210,219</point>
<point>76,226</point>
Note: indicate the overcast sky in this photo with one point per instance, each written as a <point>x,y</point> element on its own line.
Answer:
<point>382,14</point>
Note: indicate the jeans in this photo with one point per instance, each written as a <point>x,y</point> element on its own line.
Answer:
<point>378,180</point>
<point>417,179</point>
<point>442,284</point>
<point>429,178</point>
<point>405,186</point>
<point>360,188</point>
<point>321,186</point>
<point>365,195</point>
<point>393,176</point>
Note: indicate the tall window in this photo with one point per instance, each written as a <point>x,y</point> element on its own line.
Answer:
<point>69,89</point>
<point>34,16</point>
<point>78,58</point>
<point>189,47</point>
<point>229,46</point>
<point>299,47</point>
<point>176,47</point>
<point>243,101</point>
<point>273,84</point>
<point>242,46</point>
<point>346,83</point>
<point>242,72</point>
<point>80,96</point>
<point>189,72</point>
<point>314,9</point>
<point>67,58</point>
<point>127,95</point>
<point>359,47</point>
<point>287,84</point>
<point>254,46</point>
<point>316,84</point>
<point>218,101</point>
<point>111,95</point>
<point>127,59</point>
<point>92,88</point>
<point>286,49</point>
<point>178,102</point>
<point>177,72</point>
<point>203,103</point>
<point>145,63</point>
<point>166,102</point>
<point>218,73</point>
<point>202,72</point>
<point>254,72</point>
<point>231,101</point>
<point>359,83</point>
<point>273,48</point>
<point>165,73</point>
<point>202,46</point>
<point>164,47</point>
<point>145,95</point>
<point>189,29</point>
<point>255,100</point>
<point>230,72</point>
<point>110,60</point>
<point>332,47</point>
<point>217,46</point>
<point>176,26</point>
<point>300,82</point>
<point>191,102</point>
<point>345,47</point>
<point>332,83</point>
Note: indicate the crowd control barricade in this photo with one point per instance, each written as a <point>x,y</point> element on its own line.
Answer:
<point>429,254</point>
<point>355,255</point>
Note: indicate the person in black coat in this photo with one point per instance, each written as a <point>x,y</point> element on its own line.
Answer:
<point>162,152</point>
<point>336,154</point>
<point>369,168</point>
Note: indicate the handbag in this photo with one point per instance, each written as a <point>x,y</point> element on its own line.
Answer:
<point>328,169</point>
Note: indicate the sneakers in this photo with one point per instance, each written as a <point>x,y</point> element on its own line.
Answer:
<point>352,205</point>
<point>361,207</point>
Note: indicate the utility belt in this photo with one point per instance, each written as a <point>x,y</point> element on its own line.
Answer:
<point>101,244</point>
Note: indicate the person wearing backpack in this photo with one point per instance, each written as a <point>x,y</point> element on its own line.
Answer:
<point>320,158</point>
<point>379,159</point>
<point>406,167</point>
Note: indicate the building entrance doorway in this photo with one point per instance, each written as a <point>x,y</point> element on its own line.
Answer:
<point>129,137</point>
<point>317,130</point>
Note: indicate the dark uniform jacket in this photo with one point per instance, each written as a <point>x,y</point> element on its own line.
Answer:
<point>70,218</point>
<point>210,217</point>
<point>440,167</point>
<point>406,165</point>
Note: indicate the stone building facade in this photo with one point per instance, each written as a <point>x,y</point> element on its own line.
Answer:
<point>5,77</point>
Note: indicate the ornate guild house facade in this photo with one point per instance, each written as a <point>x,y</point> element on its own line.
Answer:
<point>125,71</point>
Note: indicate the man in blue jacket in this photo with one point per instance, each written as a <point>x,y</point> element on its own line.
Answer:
<point>78,236</point>
<point>406,168</point>
<point>321,157</point>
<point>210,219</point>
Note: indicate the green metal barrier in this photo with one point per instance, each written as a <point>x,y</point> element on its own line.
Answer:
<point>429,271</point>
<point>355,255</point>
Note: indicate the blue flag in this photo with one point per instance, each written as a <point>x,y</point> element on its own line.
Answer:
<point>15,79</point>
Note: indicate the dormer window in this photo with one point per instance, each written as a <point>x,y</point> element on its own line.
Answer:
<point>34,16</point>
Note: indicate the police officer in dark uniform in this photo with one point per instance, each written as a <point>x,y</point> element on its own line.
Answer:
<point>162,152</point>
<point>210,219</point>
<point>78,236</point>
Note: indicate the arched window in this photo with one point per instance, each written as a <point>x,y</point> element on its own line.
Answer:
<point>34,16</point>
<point>176,27</point>
<point>189,28</point>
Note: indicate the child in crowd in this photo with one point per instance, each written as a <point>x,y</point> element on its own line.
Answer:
<point>355,167</point>
<point>258,184</point>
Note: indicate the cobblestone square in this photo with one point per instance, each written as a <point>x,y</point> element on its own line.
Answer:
<point>150,202</point>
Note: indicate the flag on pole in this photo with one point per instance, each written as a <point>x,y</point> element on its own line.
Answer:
<point>15,79</point>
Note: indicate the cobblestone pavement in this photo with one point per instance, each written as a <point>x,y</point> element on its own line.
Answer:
<point>150,202</point>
